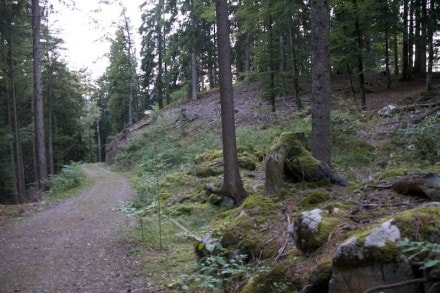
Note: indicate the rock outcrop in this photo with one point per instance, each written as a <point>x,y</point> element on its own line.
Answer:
<point>374,258</point>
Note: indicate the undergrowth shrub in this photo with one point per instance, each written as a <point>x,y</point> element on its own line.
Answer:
<point>220,272</point>
<point>421,141</point>
<point>426,254</point>
<point>70,177</point>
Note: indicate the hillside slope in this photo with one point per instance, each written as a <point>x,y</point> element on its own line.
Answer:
<point>176,155</point>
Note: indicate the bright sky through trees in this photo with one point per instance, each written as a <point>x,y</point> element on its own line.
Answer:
<point>86,28</point>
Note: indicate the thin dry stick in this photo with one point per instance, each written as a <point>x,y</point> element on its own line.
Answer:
<point>181,227</point>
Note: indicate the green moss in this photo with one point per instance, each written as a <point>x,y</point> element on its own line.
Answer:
<point>247,161</point>
<point>309,240</point>
<point>325,228</point>
<point>420,224</point>
<point>245,225</point>
<point>180,209</point>
<point>205,172</point>
<point>275,280</point>
<point>259,205</point>
<point>314,199</point>
<point>211,156</point>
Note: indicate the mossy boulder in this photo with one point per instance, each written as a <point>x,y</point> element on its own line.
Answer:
<point>311,229</point>
<point>374,258</point>
<point>288,160</point>
<point>247,227</point>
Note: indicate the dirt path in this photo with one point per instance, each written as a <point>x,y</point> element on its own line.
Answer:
<point>80,245</point>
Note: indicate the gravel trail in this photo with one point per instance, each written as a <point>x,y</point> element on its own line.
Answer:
<point>79,245</point>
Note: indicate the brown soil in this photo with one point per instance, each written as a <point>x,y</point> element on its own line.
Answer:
<point>79,245</point>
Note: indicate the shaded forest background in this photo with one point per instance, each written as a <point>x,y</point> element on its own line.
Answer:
<point>271,44</point>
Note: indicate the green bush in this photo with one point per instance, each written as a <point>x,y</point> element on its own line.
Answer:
<point>71,176</point>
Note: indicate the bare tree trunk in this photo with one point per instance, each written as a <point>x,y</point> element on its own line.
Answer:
<point>130,67</point>
<point>17,158</point>
<point>431,24</point>
<point>321,140</point>
<point>411,37</point>
<point>350,82</point>
<point>396,55</point>
<point>49,118</point>
<point>232,186</point>
<point>193,76</point>
<point>294,66</point>
<point>405,44</point>
<point>98,134</point>
<point>247,55</point>
<point>387,57</point>
<point>360,57</point>
<point>38,97</point>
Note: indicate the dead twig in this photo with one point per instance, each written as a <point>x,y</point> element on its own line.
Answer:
<point>181,227</point>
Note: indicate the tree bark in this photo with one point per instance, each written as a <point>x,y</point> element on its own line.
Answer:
<point>38,97</point>
<point>405,44</point>
<point>130,68</point>
<point>232,185</point>
<point>360,56</point>
<point>294,65</point>
<point>431,24</point>
<point>17,158</point>
<point>321,81</point>
<point>193,76</point>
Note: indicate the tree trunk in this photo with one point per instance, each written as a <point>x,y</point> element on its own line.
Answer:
<point>247,55</point>
<point>17,158</point>
<point>360,57</point>
<point>159,84</point>
<point>130,69</point>
<point>387,56</point>
<point>321,81</point>
<point>431,24</point>
<point>417,37</point>
<point>38,97</point>
<point>405,44</point>
<point>232,185</point>
<point>193,76</point>
<point>98,134</point>
<point>411,37</point>
<point>396,55</point>
<point>294,66</point>
<point>49,118</point>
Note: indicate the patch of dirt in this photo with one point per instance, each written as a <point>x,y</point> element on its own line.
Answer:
<point>79,245</point>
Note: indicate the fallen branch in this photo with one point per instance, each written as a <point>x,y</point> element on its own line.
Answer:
<point>181,227</point>
<point>420,118</point>
<point>396,285</point>
<point>381,204</point>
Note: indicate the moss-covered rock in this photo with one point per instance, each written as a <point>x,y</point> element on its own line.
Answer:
<point>312,229</point>
<point>289,160</point>
<point>374,257</point>
<point>245,226</point>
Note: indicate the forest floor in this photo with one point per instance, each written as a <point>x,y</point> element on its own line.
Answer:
<point>78,245</point>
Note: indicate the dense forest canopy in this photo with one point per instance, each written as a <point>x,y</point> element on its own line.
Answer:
<point>271,43</point>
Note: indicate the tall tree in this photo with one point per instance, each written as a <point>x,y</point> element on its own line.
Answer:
<point>232,186</point>
<point>321,81</point>
<point>40,144</point>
